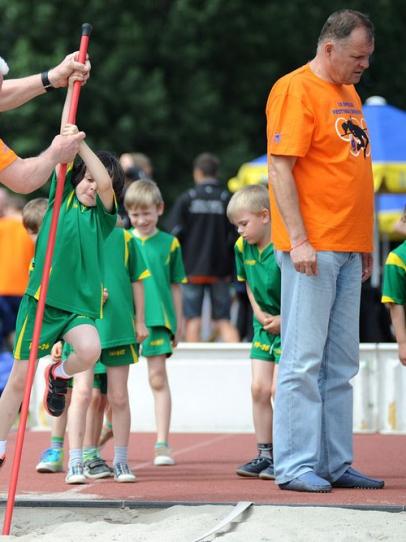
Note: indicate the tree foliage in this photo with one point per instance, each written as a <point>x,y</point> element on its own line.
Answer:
<point>173,78</point>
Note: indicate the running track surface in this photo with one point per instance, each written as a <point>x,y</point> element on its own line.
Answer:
<point>205,474</point>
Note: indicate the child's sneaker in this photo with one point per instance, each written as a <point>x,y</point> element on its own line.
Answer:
<point>163,456</point>
<point>51,461</point>
<point>123,473</point>
<point>253,468</point>
<point>55,391</point>
<point>268,473</point>
<point>2,460</point>
<point>75,475</point>
<point>97,468</point>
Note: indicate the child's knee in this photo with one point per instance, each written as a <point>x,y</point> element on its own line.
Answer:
<point>157,381</point>
<point>89,354</point>
<point>118,400</point>
<point>261,391</point>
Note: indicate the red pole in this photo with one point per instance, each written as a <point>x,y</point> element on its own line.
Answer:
<point>84,42</point>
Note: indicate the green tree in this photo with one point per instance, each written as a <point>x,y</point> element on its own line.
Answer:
<point>173,78</point>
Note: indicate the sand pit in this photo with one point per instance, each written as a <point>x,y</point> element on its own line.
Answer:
<point>187,523</point>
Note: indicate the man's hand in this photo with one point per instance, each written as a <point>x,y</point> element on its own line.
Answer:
<point>64,148</point>
<point>366,266</point>
<point>304,258</point>
<point>59,75</point>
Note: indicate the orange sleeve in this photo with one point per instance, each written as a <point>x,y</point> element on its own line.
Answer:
<point>290,125</point>
<point>7,156</point>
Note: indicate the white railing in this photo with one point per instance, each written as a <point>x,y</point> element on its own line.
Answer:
<point>210,385</point>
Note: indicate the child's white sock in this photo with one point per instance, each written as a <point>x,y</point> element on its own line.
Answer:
<point>60,371</point>
<point>120,454</point>
<point>3,444</point>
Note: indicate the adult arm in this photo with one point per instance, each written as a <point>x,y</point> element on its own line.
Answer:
<point>15,92</point>
<point>302,253</point>
<point>397,314</point>
<point>25,175</point>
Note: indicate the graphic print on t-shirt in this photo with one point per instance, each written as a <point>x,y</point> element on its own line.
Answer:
<point>352,129</point>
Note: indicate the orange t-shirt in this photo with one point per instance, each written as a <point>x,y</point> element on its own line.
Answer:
<point>7,156</point>
<point>16,253</point>
<point>322,124</point>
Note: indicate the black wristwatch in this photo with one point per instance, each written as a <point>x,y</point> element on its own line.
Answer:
<point>46,82</point>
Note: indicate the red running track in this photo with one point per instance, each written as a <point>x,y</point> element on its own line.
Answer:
<point>205,474</point>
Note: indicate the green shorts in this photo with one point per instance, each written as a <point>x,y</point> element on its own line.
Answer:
<point>55,323</point>
<point>265,346</point>
<point>119,355</point>
<point>158,342</point>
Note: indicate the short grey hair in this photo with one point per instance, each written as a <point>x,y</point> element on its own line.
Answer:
<point>341,23</point>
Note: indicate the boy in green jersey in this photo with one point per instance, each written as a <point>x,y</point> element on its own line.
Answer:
<point>74,298</point>
<point>394,294</point>
<point>163,300</point>
<point>249,211</point>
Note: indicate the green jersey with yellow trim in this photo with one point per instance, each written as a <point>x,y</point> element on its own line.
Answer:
<point>394,276</point>
<point>260,270</point>
<point>163,256</point>
<point>76,279</point>
<point>124,265</point>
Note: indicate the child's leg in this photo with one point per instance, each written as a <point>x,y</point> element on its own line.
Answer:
<point>10,400</point>
<point>85,342</point>
<point>117,378</point>
<point>158,381</point>
<point>107,428</point>
<point>52,458</point>
<point>81,397</point>
<point>261,390</point>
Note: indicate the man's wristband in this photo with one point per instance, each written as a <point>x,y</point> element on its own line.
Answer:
<point>299,244</point>
<point>46,82</point>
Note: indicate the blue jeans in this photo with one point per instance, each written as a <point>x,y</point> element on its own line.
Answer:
<point>320,354</point>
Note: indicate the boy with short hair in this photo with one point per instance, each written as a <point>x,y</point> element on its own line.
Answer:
<point>163,300</point>
<point>249,211</point>
<point>394,294</point>
<point>33,215</point>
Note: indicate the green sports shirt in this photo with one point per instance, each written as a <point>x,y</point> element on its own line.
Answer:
<point>163,256</point>
<point>260,270</point>
<point>394,276</point>
<point>76,279</point>
<point>124,265</point>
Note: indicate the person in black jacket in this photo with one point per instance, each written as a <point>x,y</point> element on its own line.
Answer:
<point>199,220</point>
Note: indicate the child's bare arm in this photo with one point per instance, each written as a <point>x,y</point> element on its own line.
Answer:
<point>260,315</point>
<point>177,301</point>
<point>397,314</point>
<point>99,174</point>
<point>139,302</point>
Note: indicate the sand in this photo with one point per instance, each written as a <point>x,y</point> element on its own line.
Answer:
<point>187,523</point>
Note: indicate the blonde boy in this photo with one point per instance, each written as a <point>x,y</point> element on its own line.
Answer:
<point>248,210</point>
<point>163,300</point>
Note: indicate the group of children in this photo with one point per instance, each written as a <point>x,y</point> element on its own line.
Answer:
<point>113,290</point>
<point>95,316</point>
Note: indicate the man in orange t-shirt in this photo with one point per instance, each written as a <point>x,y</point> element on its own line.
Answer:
<point>25,175</point>
<point>322,222</point>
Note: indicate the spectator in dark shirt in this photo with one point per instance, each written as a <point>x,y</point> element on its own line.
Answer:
<point>199,220</point>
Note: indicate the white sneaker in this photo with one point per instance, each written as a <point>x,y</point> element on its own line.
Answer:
<point>75,475</point>
<point>123,473</point>
<point>163,457</point>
